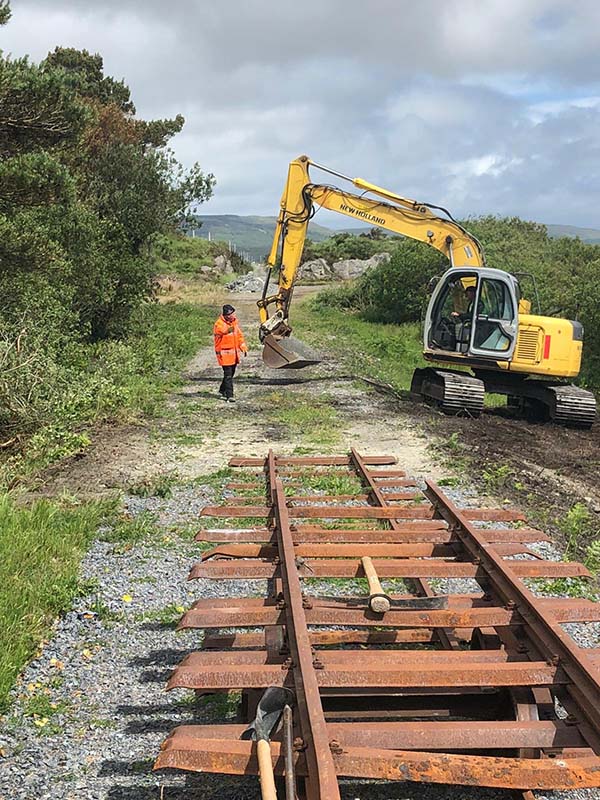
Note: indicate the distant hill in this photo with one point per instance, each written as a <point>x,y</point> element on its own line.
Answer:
<point>250,235</point>
<point>589,235</point>
<point>253,235</point>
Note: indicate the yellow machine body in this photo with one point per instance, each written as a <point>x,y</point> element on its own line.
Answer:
<point>544,346</point>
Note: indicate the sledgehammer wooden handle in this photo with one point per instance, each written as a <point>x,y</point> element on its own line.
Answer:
<point>265,769</point>
<point>378,600</point>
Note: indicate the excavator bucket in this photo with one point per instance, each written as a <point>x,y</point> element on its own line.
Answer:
<point>287,353</point>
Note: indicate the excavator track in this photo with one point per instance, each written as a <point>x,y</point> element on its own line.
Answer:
<point>453,392</point>
<point>561,403</point>
<point>572,406</point>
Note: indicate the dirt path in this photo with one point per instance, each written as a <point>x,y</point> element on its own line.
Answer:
<point>200,432</point>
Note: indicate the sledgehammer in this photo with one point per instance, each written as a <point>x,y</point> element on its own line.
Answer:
<point>268,714</point>
<point>379,602</point>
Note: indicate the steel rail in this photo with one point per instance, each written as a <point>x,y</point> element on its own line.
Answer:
<point>322,780</point>
<point>542,626</point>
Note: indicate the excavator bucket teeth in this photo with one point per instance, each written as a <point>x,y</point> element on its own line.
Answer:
<point>287,353</point>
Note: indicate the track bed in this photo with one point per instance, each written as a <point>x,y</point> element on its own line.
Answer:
<point>466,678</point>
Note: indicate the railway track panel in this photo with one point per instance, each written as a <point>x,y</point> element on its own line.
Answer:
<point>481,686</point>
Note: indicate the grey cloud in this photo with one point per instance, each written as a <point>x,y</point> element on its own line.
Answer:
<point>465,103</point>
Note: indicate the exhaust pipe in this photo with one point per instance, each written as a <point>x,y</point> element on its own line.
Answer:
<point>287,353</point>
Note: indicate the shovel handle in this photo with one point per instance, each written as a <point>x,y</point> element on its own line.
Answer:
<point>265,770</point>
<point>378,600</point>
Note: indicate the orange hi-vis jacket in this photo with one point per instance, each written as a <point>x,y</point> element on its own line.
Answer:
<point>229,341</point>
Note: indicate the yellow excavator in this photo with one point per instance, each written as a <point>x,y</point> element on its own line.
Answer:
<point>476,318</point>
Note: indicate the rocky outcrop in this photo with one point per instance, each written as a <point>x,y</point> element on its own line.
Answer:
<point>354,267</point>
<point>320,270</point>
<point>223,265</point>
<point>252,282</point>
<point>317,270</point>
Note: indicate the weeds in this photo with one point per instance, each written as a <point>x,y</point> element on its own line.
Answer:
<point>111,380</point>
<point>39,706</point>
<point>563,587</point>
<point>451,481</point>
<point>331,483</point>
<point>497,477</point>
<point>592,556</point>
<point>159,486</point>
<point>168,616</point>
<point>222,704</point>
<point>313,418</point>
<point>132,530</point>
<point>453,443</point>
<point>575,525</point>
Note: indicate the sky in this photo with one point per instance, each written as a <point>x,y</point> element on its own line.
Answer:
<point>481,106</point>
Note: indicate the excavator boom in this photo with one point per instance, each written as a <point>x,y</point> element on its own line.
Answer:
<point>393,212</point>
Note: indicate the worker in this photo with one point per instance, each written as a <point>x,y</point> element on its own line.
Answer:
<point>466,316</point>
<point>229,345</point>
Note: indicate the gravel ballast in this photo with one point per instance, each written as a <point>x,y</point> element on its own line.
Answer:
<point>105,672</point>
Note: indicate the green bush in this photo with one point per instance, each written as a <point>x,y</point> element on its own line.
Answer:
<point>175,254</point>
<point>345,245</point>
<point>85,189</point>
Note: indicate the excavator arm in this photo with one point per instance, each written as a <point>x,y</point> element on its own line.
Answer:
<point>385,210</point>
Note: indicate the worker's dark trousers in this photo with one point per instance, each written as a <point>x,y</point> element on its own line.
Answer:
<point>226,387</point>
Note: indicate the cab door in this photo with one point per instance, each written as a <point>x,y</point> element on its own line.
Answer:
<point>495,318</point>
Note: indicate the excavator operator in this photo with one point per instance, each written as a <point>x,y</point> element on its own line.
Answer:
<point>466,316</point>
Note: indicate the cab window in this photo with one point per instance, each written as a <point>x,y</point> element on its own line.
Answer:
<point>494,306</point>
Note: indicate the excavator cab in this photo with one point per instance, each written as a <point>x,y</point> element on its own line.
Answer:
<point>473,313</point>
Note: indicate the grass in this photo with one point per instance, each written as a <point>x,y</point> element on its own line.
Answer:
<point>168,616</point>
<point>312,418</point>
<point>132,530</point>
<point>344,483</point>
<point>40,550</point>
<point>388,353</point>
<point>41,546</point>
<point>382,352</point>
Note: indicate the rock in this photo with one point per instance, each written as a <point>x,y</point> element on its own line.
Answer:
<point>223,265</point>
<point>247,283</point>
<point>318,269</point>
<point>353,267</point>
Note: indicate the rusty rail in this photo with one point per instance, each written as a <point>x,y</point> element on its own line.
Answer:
<point>479,686</point>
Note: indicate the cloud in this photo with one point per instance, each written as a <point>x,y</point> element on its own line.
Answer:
<point>485,106</point>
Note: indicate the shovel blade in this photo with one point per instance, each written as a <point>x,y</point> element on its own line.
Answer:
<point>287,353</point>
<point>268,713</point>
